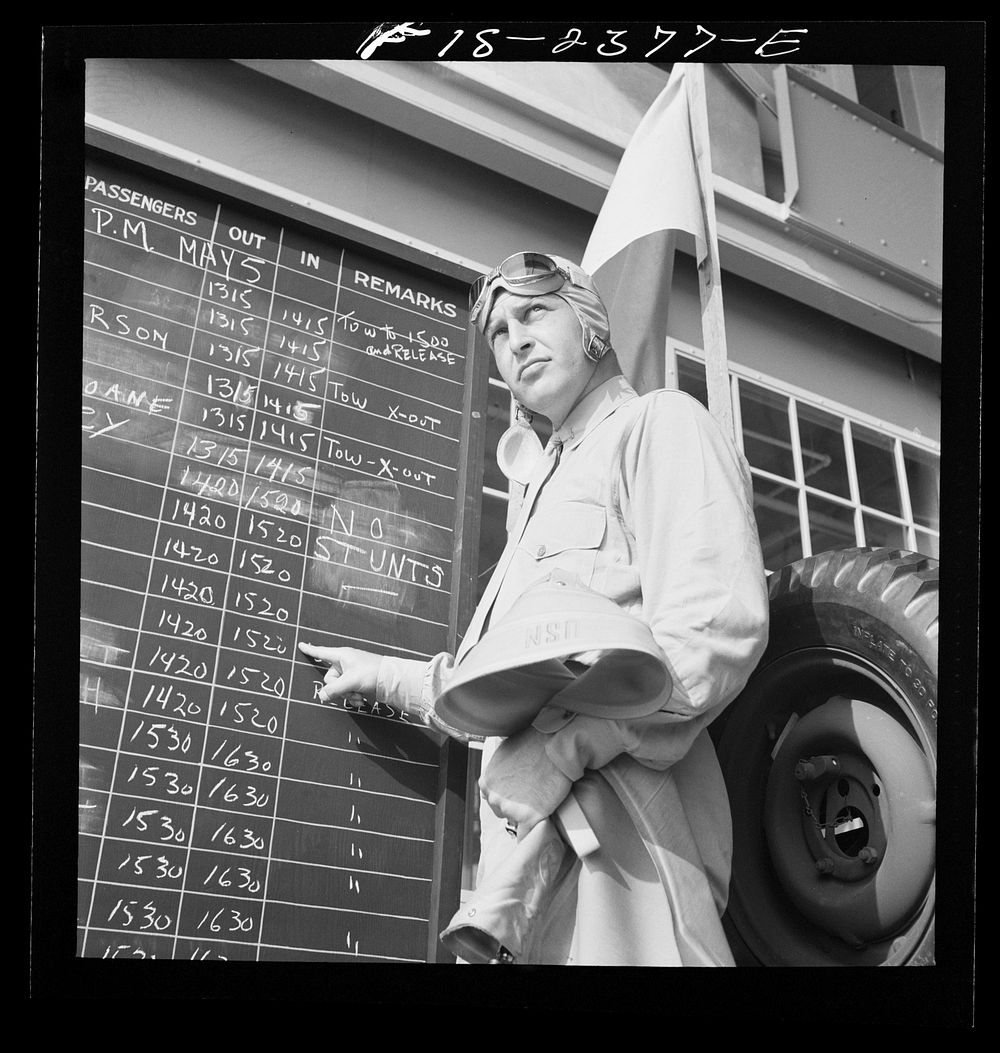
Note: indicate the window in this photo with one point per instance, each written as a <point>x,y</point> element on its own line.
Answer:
<point>826,478</point>
<point>493,530</point>
<point>877,89</point>
<point>822,478</point>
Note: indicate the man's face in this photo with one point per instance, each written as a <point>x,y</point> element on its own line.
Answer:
<point>536,341</point>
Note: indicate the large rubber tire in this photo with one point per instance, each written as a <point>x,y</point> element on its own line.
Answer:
<point>829,756</point>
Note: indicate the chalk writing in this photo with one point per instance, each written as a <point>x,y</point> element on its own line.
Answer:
<point>273,425</point>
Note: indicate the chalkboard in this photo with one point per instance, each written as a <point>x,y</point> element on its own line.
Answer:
<point>273,433</point>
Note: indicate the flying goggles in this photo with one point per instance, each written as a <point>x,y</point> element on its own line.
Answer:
<point>523,273</point>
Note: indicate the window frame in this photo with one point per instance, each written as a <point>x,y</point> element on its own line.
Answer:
<point>849,417</point>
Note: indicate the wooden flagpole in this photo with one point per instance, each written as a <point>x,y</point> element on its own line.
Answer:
<point>713,324</point>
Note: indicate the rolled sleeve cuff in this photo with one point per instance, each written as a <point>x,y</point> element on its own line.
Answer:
<point>401,683</point>
<point>413,686</point>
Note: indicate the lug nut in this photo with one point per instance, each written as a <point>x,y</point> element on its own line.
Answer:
<point>868,854</point>
<point>824,865</point>
<point>814,767</point>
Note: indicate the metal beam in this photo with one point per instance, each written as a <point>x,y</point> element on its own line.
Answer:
<point>573,158</point>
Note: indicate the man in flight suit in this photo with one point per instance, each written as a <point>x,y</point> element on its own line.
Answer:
<point>647,502</point>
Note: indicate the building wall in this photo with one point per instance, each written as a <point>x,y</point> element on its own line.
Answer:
<point>223,111</point>
<point>797,345</point>
<point>231,114</point>
<point>921,96</point>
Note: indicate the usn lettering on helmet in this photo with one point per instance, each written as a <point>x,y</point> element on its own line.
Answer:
<point>550,632</point>
<point>401,292</point>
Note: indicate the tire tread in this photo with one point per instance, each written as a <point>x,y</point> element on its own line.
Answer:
<point>904,583</point>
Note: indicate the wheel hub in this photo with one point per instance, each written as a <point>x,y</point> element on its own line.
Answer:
<point>841,819</point>
<point>849,820</point>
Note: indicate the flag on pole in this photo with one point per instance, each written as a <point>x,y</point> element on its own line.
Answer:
<point>656,192</point>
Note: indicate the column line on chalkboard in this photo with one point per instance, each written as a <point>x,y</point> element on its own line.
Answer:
<point>128,691</point>
<point>323,423</point>
<point>298,619</point>
<point>279,515</point>
<point>232,555</point>
<point>291,659</point>
<point>278,265</point>
<point>298,614</point>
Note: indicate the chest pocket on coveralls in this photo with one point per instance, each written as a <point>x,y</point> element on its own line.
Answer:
<point>568,536</point>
